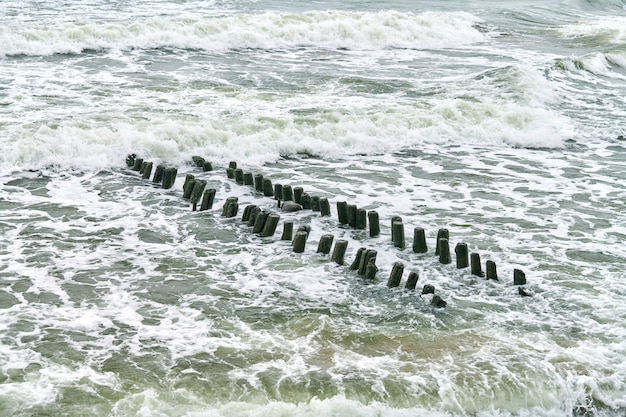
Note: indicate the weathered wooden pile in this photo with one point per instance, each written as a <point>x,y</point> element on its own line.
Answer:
<point>265,222</point>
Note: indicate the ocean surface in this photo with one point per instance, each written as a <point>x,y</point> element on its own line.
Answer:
<point>500,121</point>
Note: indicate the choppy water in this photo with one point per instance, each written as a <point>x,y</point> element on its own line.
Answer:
<point>499,122</point>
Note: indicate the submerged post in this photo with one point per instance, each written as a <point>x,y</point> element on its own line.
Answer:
<point>324,207</point>
<point>169,177</point>
<point>396,275</point>
<point>287,231</point>
<point>326,242</point>
<point>419,240</point>
<point>519,277</point>
<point>476,267</point>
<point>339,251</point>
<point>444,251</point>
<point>411,281</point>
<point>299,242</point>
<point>441,234</point>
<point>462,256</point>
<point>342,212</point>
<point>207,199</point>
<point>397,228</point>
<point>374,221</point>
<point>491,270</point>
<point>271,222</point>
<point>357,259</point>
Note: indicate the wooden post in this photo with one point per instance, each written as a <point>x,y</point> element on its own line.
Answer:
<point>169,177</point>
<point>259,221</point>
<point>239,176</point>
<point>396,275</point>
<point>278,191</point>
<point>297,194</point>
<point>419,240</point>
<point>326,242</point>
<point>441,234</point>
<point>411,281</point>
<point>143,167</point>
<point>268,188</point>
<point>147,170</point>
<point>397,228</point>
<point>246,212</point>
<point>186,188</point>
<point>339,251</point>
<point>299,242</point>
<point>230,173</point>
<point>130,160</point>
<point>252,218</point>
<point>232,165</point>
<point>491,270</point>
<point>158,174</point>
<point>519,277</point>
<point>258,182</point>
<point>366,257</point>
<point>207,199</point>
<point>438,302</point>
<point>361,219</point>
<point>352,215</point>
<point>476,267</point>
<point>196,192</point>
<point>306,201</point>
<point>287,231</point>
<point>428,289</point>
<point>248,178</point>
<point>207,166</point>
<point>462,256</point>
<point>444,251</point>
<point>324,207</point>
<point>371,269</point>
<point>315,203</point>
<point>374,221</point>
<point>287,193</point>
<point>137,163</point>
<point>357,259</point>
<point>230,206</point>
<point>393,220</point>
<point>270,225</point>
<point>198,161</point>
<point>342,212</point>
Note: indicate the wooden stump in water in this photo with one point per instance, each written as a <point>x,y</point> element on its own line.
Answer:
<point>491,270</point>
<point>268,188</point>
<point>462,255</point>
<point>339,251</point>
<point>342,212</point>
<point>169,177</point>
<point>147,170</point>
<point>397,228</point>
<point>352,215</point>
<point>441,234</point>
<point>270,225</point>
<point>239,176</point>
<point>230,208</point>
<point>357,259</point>
<point>324,207</point>
<point>326,242</point>
<point>196,192</point>
<point>248,178</point>
<point>137,163</point>
<point>207,166</point>
<point>186,185</point>
<point>287,231</point>
<point>315,203</point>
<point>476,267</point>
<point>278,191</point>
<point>130,160</point>
<point>246,212</point>
<point>287,193</point>
<point>232,165</point>
<point>259,221</point>
<point>444,251</point>
<point>207,199</point>
<point>393,220</point>
<point>419,240</point>
<point>519,277</point>
<point>371,269</point>
<point>411,281</point>
<point>428,289</point>
<point>258,182</point>
<point>361,219</point>
<point>396,275</point>
<point>374,221</point>
<point>198,161</point>
<point>306,201</point>
<point>438,302</point>
<point>158,174</point>
<point>297,194</point>
<point>253,212</point>
<point>367,256</point>
<point>299,242</point>
<point>230,173</point>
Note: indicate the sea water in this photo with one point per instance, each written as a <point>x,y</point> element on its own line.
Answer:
<point>499,121</point>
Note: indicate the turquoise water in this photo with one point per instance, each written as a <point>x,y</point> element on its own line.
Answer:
<point>500,123</point>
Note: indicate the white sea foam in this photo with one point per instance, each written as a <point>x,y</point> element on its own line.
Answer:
<point>328,29</point>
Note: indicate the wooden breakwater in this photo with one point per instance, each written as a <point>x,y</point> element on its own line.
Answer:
<point>289,198</point>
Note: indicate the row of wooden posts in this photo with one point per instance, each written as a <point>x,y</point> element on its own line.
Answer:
<point>265,223</point>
